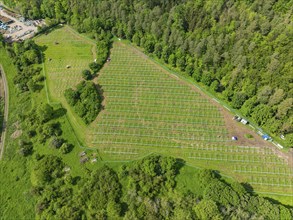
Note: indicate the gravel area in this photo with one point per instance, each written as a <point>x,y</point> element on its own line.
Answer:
<point>21,31</point>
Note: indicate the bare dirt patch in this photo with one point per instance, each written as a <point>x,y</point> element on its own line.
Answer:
<point>237,129</point>
<point>16,125</point>
<point>16,134</point>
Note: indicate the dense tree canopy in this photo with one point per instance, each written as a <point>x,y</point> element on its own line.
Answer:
<point>85,100</point>
<point>145,189</point>
<point>25,55</point>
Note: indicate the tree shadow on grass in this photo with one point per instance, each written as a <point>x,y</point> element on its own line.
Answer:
<point>248,187</point>
<point>101,94</point>
<point>75,180</point>
<point>179,164</point>
<point>48,30</point>
<point>42,48</point>
<point>58,113</point>
<point>38,87</point>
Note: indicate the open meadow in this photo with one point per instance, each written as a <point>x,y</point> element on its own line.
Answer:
<point>66,54</point>
<point>146,109</point>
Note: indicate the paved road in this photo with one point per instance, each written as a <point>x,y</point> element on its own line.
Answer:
<point>6,106</point>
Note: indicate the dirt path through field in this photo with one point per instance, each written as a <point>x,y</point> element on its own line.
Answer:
<point>6,106</point>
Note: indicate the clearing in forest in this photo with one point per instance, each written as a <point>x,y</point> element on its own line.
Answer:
<point>147,109</point>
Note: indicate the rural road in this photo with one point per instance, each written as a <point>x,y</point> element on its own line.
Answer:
<point>6,106</point>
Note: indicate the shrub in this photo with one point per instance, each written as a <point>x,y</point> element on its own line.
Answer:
<point>86,74</point>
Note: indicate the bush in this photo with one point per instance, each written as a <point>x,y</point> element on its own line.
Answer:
<point>95,67</point>
<point>56,142</point>
<point>26,150</point>
<point>65,148</point>
<point>85,100</point>
<point>249,136</point>
<point>86,74</point>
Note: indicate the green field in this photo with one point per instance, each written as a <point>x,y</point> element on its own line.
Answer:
<point>65,47</point>
<point>149,110</point>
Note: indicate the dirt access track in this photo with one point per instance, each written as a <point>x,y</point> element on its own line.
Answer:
<point>6,106</point>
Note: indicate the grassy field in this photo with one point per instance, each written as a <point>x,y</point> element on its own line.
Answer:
<point>64,47</point>
<point>14,178</point>
<point>148,110</point>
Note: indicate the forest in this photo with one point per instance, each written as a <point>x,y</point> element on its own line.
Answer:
<point>25,55</point>
<point>240,50</point>
<point>85,100</point>
<point>144,189</point>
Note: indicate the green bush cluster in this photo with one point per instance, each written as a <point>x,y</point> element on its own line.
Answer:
<point>85,100</point>
<point>25,56</point>
<point>144,189</point>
